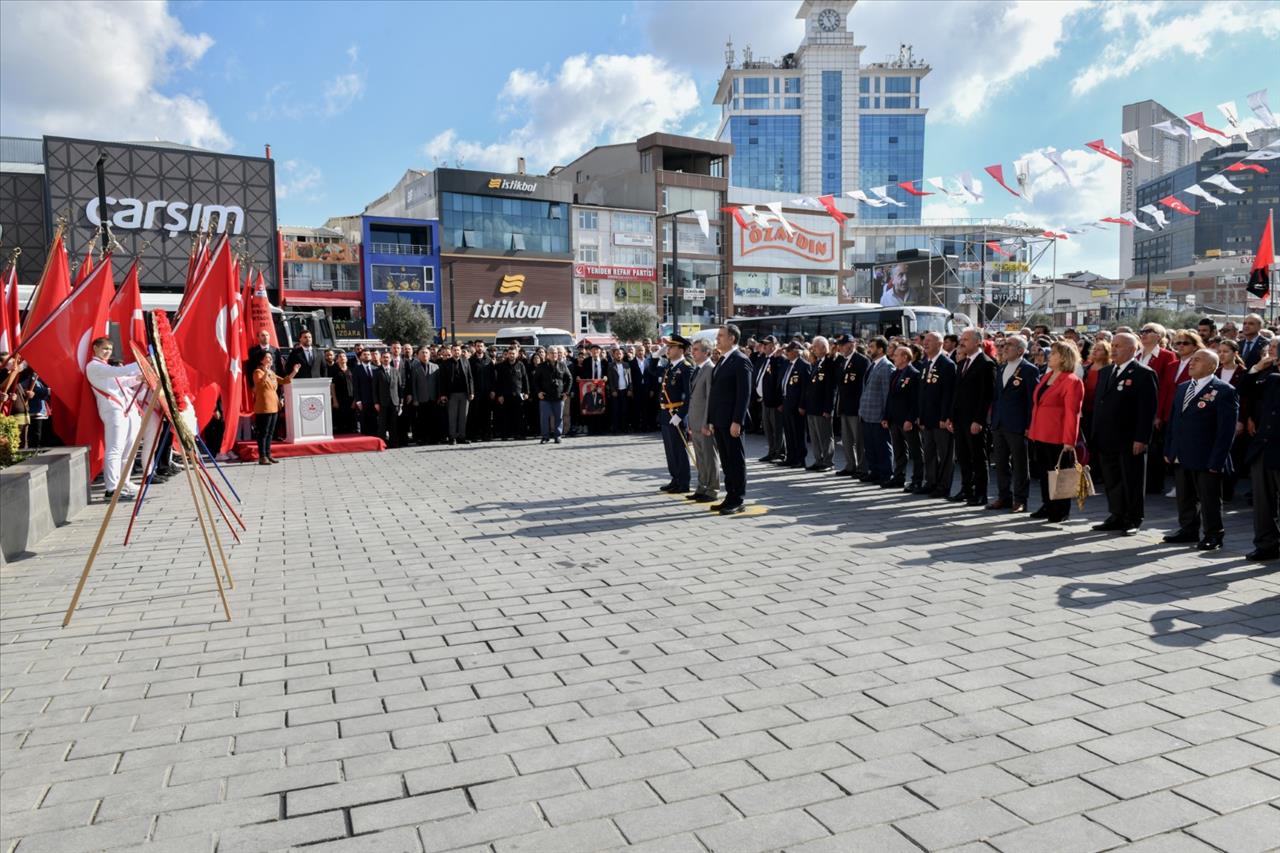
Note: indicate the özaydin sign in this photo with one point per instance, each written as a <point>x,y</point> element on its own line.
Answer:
<point>814,246</point>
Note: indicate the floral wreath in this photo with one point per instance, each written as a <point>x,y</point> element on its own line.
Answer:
<point>172,371</point>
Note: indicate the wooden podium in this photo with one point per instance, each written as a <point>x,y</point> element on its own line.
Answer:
<point>308,416</point>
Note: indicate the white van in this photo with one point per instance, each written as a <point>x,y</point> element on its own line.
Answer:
<point>530,337</point>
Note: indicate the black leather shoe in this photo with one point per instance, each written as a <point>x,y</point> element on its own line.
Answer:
<point>935,493</point>
<point>1128,530</point>
<point>669,487</point>
<point>865,478</point>
<point>1263,554</point>
<point>693,496</point>
<point>703,499</point>
<point>1210,543</point>
<point>732,509</point>
<point>811,467</point>
<point>845,473</point>
<point>719,506</point>
<point>1182,537</point>
<point>822,469</point>
<point>1111,525</point>
<point>976,502</point>
<point>895,483</point>
<point>1040,513</point>
<point>958,497</point>
<point>911,490</point>
<point>798,465</point>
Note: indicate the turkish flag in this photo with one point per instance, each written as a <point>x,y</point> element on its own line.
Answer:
<point>7,337</point>
<point>233,396</point>
<point>1243,166</point>
<point>1263,261</point>
<point>1175,204</point>
<point>126,312</point>
<point>59,348</point>
<point>86,266</point>
<point>54,285</point>
<point>203,332</point>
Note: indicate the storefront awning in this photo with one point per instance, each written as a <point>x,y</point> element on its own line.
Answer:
<point>314,301</point>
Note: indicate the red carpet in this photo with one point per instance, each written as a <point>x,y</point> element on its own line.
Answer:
<point>248,450</point>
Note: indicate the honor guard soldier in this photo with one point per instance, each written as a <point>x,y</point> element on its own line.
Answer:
<point>116,390</point>
<point>674,399</point>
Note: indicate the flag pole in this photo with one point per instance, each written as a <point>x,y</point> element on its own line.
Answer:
<point>48,259</point>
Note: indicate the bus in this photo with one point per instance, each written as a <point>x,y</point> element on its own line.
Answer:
<point>861,320</point>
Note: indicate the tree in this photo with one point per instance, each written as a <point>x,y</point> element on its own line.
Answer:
<point>1170,319</point>
<point>1039,319</point>
<point>633,324</point>
<point>400,319</point>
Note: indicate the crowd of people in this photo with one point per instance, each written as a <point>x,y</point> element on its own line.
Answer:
<point>1141,406</point>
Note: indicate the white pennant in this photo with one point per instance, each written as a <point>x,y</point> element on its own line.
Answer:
<point>1054,157</point>
<point>1071,230</point>
<point>1022,173</point>
<point>971,187</point>
<point>703,223</point>
<point>940,185</point>
<point>775,207</point>
<point>1172,129</point>
<point>754,215</point>
<point>1135,221</point>
<point>1097,225</point>
<point>862,197</point>
<point>808,201</point>
<point>1261,109</point>
<point>1130,140</point>
<point>1228,109</point>
<point>1271,152</point>
<point>1201,192</point>
<point>1155,213</point>
<point>883,194</point>
<point>1221,182</point>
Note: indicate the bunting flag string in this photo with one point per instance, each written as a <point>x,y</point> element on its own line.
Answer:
<point>736,213</point>
<point>703,223</point>
<point>1267,152</point>
<point>995,247</point>
<point>971,187</point>
<point>1133,220</point>
<point>883,194</point>
<point>859,195</point>
<point>940,185</point>
<point>1130,140</point>
<point>1200,192</point>
<point>1228,109</point>
<point>1197,119</point>
<point>906,187</point>
<point>1261,109</point>
<point>1022,172</point>
<point>1242,166</point>
<point>1116,220</point>
<point>1101,147</point>
<point>775,207</point>
<point>1175,204</point>
<point>997,172</point>
<point>1221,182</point>
<point>1172,129</point>
<point>1055,157</point>
<point>829,202</point>
<point>1157,214</point>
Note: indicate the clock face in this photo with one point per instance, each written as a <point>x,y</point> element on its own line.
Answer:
<point>829,20</point>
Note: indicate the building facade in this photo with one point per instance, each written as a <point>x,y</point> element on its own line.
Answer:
<point>673,176</point>
<point>401,256</point>
<point>1214,231</point>
<point>320,268</point>
<point>819,121</point>
<point>615,263</point>
<point>505,256</point>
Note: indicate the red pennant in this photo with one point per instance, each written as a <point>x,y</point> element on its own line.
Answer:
<point>906,187</point>
<point>1099,146</point>
<point>1198,120</point>
<point>736,212</point>
<point>1174,204</point>
<point>1053,235</point>
<point>829,202</point>
<point>1116,221</point>
<point>260,313</point>
<point>53,288</point>
<point>997,172</point>
<point>86,266</point>
<point>995,247</point>
<point>12,315</point>
<point>1243,166</point>
<point>1263,261</point>
<point>126,312</point>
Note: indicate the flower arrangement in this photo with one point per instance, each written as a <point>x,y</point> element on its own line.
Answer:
<point>174,383</point>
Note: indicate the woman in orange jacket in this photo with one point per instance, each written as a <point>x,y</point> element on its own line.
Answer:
<point>266,404</point>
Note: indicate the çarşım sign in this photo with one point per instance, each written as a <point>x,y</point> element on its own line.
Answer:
<point>131,214</point>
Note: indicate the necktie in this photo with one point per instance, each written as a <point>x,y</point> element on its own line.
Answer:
<point>1191,393</point>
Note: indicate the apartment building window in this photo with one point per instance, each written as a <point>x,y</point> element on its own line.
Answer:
<point>588,220</point>
<point>646,157</point>
<point>589,253</point>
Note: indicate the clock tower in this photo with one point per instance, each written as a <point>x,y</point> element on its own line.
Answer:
<point>825,17</point>
<point>829,125</point>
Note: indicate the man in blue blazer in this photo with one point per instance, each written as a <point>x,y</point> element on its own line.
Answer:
<point>1198,438</point>
<point>1015,384</point>
<point>727,416</point>
<point>875,394</point>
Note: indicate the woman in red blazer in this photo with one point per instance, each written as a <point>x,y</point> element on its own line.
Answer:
<point>1055,423</point>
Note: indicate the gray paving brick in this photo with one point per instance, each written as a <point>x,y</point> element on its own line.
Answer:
<point>1045,803</point>
<point>1231,791</point>
<point>343,795</point>
<point>958,825</point>
<point>795,792</point>
<point>976,783</point>
<point>481,828</point>
<point>408,811</point>
<point>90,838</point>
<point>585,837</point>
<point>1254,829</point>
<point>774,831</point>
<point>216,817</point>
<point>655,822</point>
<point>1072,834</point>
<point>402,840</point>
<point>284,833</point>
<point>1148,815</point>
<point>880,807</point>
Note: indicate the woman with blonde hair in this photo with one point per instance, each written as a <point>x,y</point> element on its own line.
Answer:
<point>1055,423</point>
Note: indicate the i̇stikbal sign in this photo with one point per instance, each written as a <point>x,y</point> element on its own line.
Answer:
<point>132,214</point>
<point>509,309</point>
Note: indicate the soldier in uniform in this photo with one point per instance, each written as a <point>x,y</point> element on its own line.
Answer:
<point>768,387</point>
<point>674,401</point>
<point>819,400</point>
<point>795,378</point>
<point>848,397</point>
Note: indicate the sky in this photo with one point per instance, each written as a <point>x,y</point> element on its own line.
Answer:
<point>351,95</point>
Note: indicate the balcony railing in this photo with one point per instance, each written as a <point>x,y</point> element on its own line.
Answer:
<point>320,285</point>
<point>399,249</point>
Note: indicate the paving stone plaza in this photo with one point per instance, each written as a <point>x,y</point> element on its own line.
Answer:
<point>512,648</point>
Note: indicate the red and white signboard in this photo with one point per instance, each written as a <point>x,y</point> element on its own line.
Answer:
<point>812,244</point>
<point>614,272</point>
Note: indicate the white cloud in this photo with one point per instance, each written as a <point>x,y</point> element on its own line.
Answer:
<point>96,69</point>
<point>1148,39</point>
<point>296,178</point>
<point>343,91</point>
<point>590,100</point>
<point>1093,193</point>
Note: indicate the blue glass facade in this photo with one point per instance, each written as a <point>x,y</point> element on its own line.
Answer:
<point>504,224</point>
<point>890,150</point>
<point>832,89</point>
<point>401,256</point>
<point>766,152</point>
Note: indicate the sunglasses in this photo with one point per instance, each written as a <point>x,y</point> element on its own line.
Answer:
<point>1182,343</point>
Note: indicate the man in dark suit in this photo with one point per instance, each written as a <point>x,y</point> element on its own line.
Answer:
<point>387,389</point>
<point>970,409</point>
<point>1015,384</point>
<point>819,401</point>
<point>727,413</point>
<point>767,383</point>
<point>480,412</point>
<point>1124,413</point>
<point>853,372</point>
<point>1263,459</point>
<point>901,411</point>
<point>795,378</point>
<point>937,390</point>
<point>423,391</point>
<point>511,388</point>
<point>365,393</point>
<point>258,350</point>
<point>1252,345</point>
<point>620,388</point>
<point>1202,425</point>
<point>309,360</point>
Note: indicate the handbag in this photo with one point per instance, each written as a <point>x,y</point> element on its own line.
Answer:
<point>1071,482</point>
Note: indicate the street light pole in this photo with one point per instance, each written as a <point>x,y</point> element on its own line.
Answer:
<point>675,264</point>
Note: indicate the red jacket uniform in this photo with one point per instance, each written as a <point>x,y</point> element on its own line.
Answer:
<point>1055,415</point>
